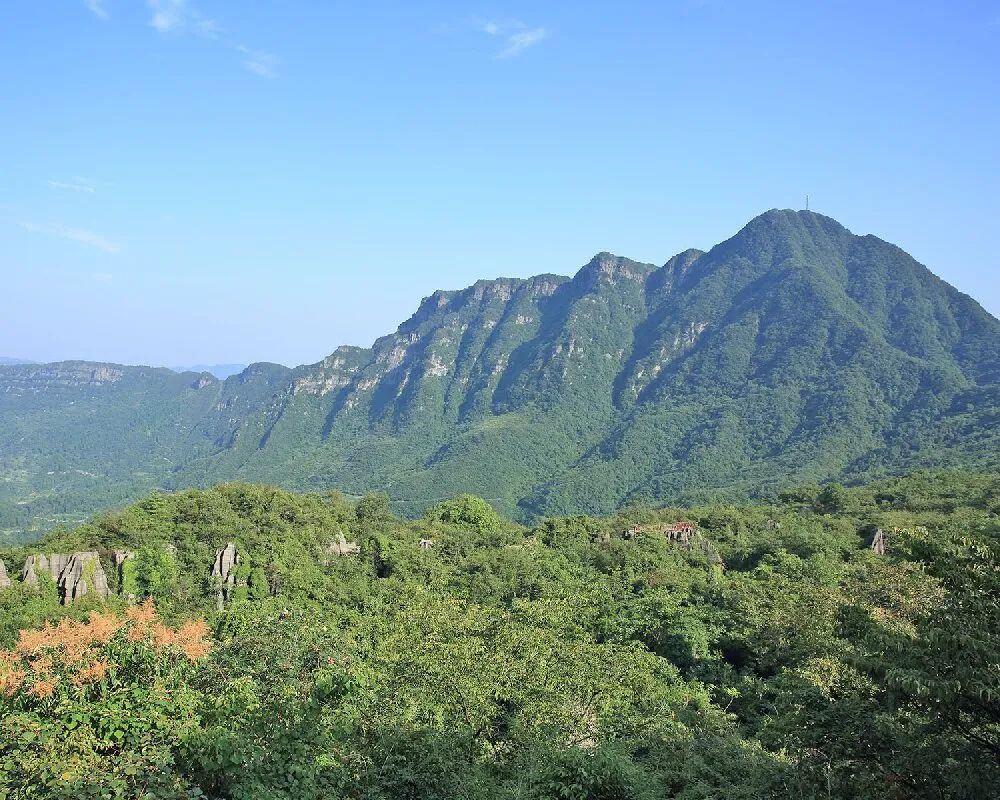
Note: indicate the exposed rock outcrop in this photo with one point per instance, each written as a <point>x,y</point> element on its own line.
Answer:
<point>225,560</point>
<point>879,542</point>
<point>342,547</point>
<point>66,374</point>
<point>4,580</point>
<point>75,574</point>
<point>223,573</point>
<point>37,565</point>
<point>82,575</point>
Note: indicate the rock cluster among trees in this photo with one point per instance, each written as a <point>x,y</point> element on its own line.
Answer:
<point>75,574</point>
<point>80,574</point>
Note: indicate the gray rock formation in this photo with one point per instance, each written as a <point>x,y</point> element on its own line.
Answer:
<point>82,575</point>
<point>75,574</point>
<point>879,542</point>
<point>223,569</point>
<point>342,547</point>
<point>28,574</point>
<point>4,580</point>
<point>39,564</point>
<point>225,560</point>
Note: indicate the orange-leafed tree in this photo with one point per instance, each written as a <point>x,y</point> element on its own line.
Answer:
<point>99,708</point>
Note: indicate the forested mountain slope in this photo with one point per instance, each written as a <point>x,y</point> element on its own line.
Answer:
<point>793,352</point>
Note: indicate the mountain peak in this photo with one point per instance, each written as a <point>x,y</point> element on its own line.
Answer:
<point>683,260</point>
<point>784,235</point>
<point>789,221</point>
<point>607,268</point>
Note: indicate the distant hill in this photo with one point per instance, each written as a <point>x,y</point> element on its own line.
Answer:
<point>793,352</point>
<point>220,371</point>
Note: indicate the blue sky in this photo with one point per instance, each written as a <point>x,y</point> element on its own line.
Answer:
<point>209,181</point>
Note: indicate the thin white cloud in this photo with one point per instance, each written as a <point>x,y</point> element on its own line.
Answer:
<point>168,15</point>
<point>179,16</point>
<point>97,8</point>
<point>497,27</point>
<point>74,185</point>
<point>522,40</point>
<point>77,235</point>
<point>259,62</point>
<point>516,34</point>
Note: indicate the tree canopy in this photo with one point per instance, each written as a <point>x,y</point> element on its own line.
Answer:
<point>775,655</point>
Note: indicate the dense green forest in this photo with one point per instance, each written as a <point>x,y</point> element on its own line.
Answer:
<point>461,655</point>
<point>794,352</point>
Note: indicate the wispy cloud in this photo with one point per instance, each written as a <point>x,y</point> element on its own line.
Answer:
<point>522,40</point>
<point>78,235</point>
<point>179,16</point>
<point>516,35</point>
<point>259,62</point>
<point>97,8</point>
<point>74,185</point>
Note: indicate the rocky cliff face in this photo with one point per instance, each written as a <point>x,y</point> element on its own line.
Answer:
<point>793,352</point>
<point>68,374</point>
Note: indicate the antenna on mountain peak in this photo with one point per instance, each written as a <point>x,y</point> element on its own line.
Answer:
<point>807,202</point>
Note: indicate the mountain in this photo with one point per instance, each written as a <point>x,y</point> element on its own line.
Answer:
<point>793,352</point>
<point>220,371</point>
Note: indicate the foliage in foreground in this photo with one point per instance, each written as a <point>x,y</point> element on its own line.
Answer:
<point>775,657</point>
